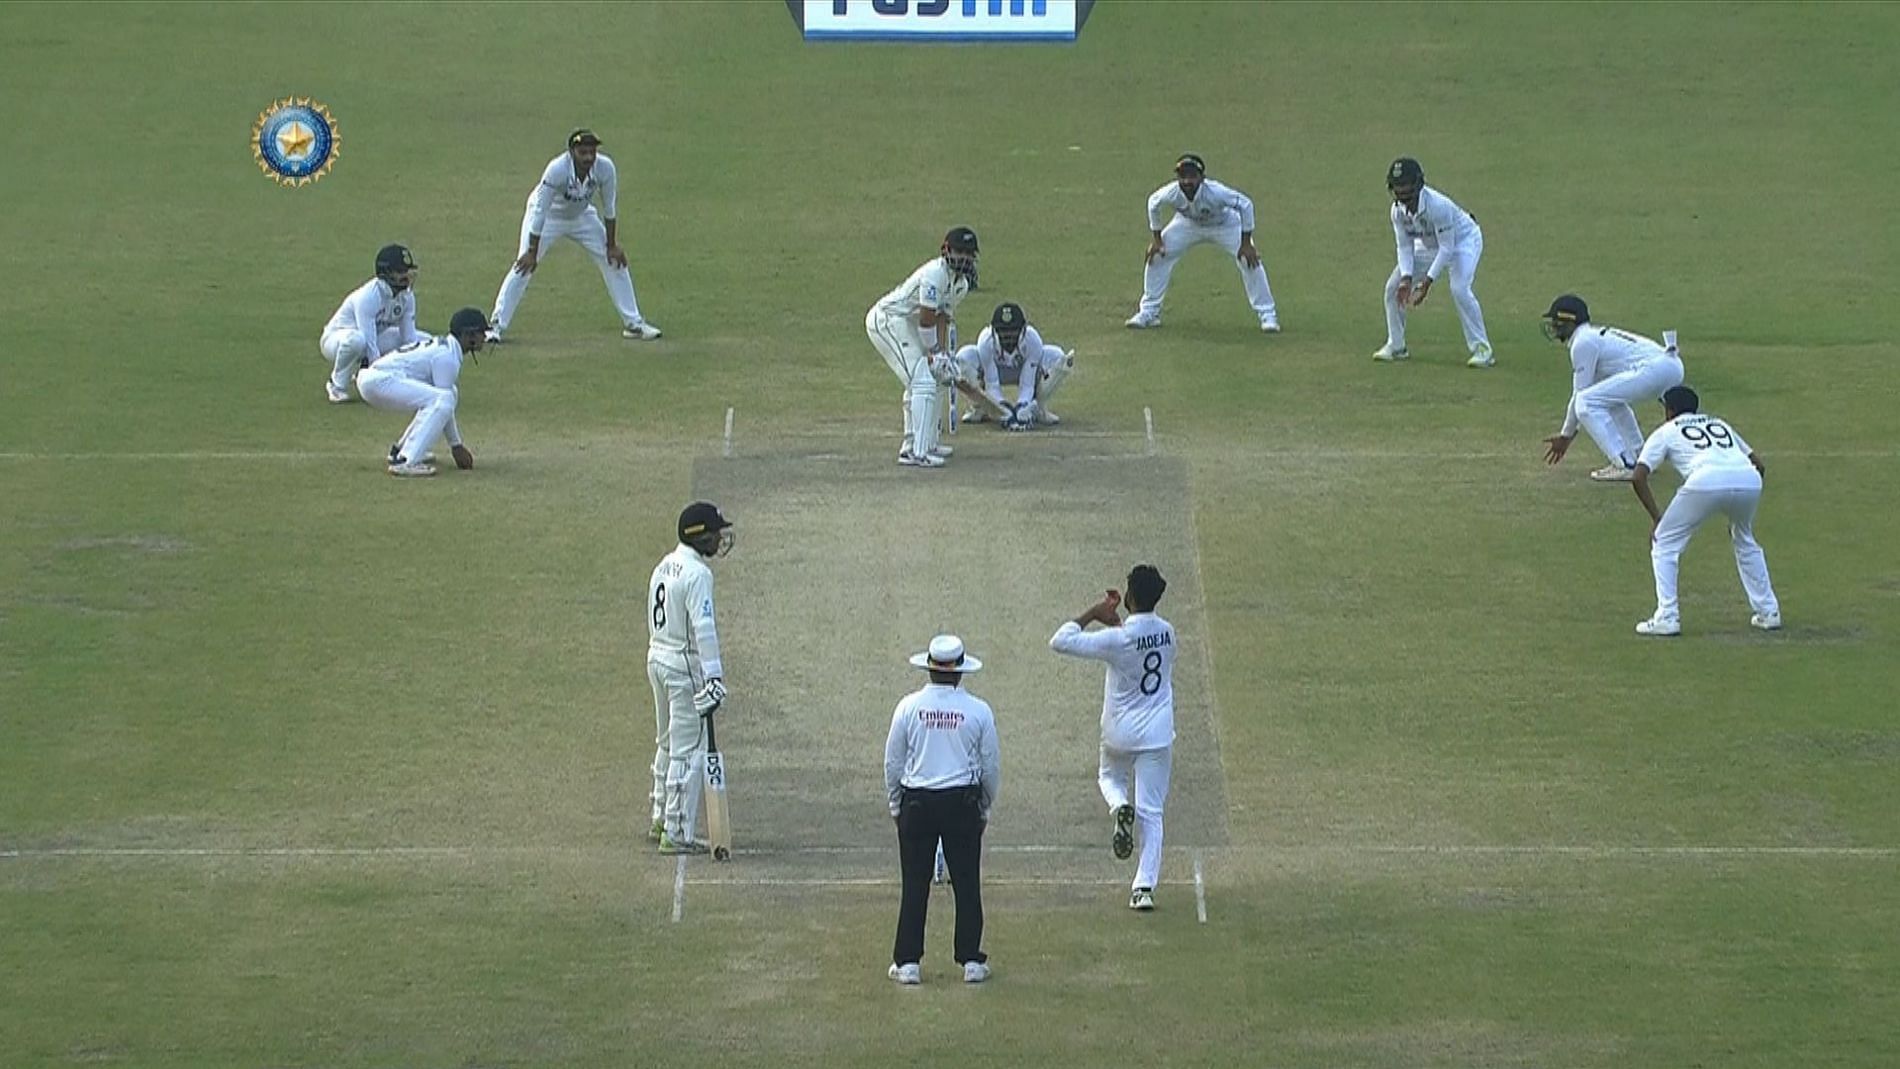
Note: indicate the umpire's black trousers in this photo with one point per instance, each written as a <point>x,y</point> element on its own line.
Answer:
<point>923,817</point>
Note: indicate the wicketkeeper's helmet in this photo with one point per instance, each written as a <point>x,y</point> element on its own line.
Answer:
<point>1008,322</point>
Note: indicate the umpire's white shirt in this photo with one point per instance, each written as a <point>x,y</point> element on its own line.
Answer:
<point>375,308</point>
<point>1439,227</point>
<point>942,737</point>
<point>1597,353</point>
<point>680,626</point>
<point>562,196</point>
<point>1705,451</point>
<point>1138,692</point>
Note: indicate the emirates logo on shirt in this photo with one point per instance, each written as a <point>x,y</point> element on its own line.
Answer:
<point>940,719</point>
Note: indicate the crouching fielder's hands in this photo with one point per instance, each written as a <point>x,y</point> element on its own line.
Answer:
<point>463,458</point>
<point>710,697</point>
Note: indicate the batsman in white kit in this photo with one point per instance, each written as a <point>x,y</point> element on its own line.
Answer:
<point>376,317</point>
<point>1721,476</point>
<point>911,327</point>
<point>562,206</point>
<point>421,378</point>
<point>1431,228</point>
<point>1137,716</point>
<point>687,675</point>
<point>1011,352</point>
<point>1205,212</point>
<point>1609,370</point>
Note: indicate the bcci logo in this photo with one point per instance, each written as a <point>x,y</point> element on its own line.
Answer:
<point>295,141</point>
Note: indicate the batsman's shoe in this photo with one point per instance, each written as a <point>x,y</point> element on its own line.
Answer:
<point>1613,472</point>
<point>1124,840</point>
<point>405,469</point>
<point>1142,900</point>
<point>336,395</point>
<point>1658,628</point>
<point>1386,354</point>
<point>681,845</point>
<point>1765,621</point>
<point>975,972</point>
<point>909,975</point>
<point>943,450</point>
<point>656,832</point>
<point>641,331</point>
<point>1142,321</point>
<point>1269,326</point>
<point>912,460</point>
<point>1482,356</point>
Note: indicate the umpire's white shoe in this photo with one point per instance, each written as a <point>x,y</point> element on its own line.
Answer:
<point>641,331</point>
<point>1142,900</point>
<point>1269,326</point>
<point>909,975</point>
<point>1389,354</point>
<point>1613,472</point>
<point>975,972</point>
<point>1765,621</point>
<point>1124,840</point>
<point>1658,628</point>
<point>1482,356</point>
<point>336,396</point>
<point>1142,321</point>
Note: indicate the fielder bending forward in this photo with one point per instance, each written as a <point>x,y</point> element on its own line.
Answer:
<point>1137,716</point>
<point>1609,369</point>
<point>911,329</point>
<point>684,668</point>
<point>421,378</point>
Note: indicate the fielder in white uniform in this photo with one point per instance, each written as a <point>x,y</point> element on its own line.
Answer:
<point>421,378</point>
<point>911,328</point>
<point>684,668</point>
<point>1205,212</point>
<point>562,206</point>
<point>1430,227</point>
<point>1010,351</point>
<point>376,317</point>
<point>1137,715</point>
<point>1609,369</point>
<point>1721,476</point>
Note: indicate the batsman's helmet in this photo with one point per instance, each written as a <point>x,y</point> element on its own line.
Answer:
<point>1405,177</point>
<point>393,260</point>
<point>703,528</point>
<point>959,251</point>
<point>1008,322</point>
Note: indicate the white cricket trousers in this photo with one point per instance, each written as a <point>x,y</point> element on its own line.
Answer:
<point>1177,238</point>
<point>1459,271</point>
<point>1604,409</point>
<point>345,349</point>
<point>898,342</point>
<point>589,233</point>
<point>433,406</point>
<point>1690,509</point>
<point>678,749</point>
<point>1144,773</point>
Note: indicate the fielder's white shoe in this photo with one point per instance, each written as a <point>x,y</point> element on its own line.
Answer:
<point>975,972</point>
<point>1269,326</point>
<point>1765,621</point>
<point>1613,472</point>
<point>1142,321</point>
<point>1124,840</point>
<point>909,975</point>
<point>403,469</point>
<point>1656,628</point>
<point>1142,900</point>
<point>336,396</point>
<point>641,331</point>
<point>396,458</point>
<point>1386,354</point>
<point>1482,356</point>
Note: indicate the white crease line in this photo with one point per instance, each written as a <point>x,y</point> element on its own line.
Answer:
<point>1148,423</point>
<point>679,888</point>
<point>1200,891</point>
<point>893,881</point>
<point>1226,450</point>
<point>728,447</point>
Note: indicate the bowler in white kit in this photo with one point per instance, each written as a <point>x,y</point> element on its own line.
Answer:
<point>686,673</point>
<point>1433,233</point>
<point>1010,352</point>
<point>1137,716</point>
<point>1206,212</point>
<point>1610,369</point>
<point>562,206</point>
<point>376,317</point>
<point>1721,476</point>
<point>911,329</point>
<point>421,378</point>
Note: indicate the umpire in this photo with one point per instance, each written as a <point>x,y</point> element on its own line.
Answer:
<point>941,769</point>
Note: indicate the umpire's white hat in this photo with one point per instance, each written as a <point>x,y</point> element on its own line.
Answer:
<point>945,655</point>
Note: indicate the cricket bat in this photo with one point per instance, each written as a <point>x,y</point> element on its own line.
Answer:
<point>718,820</point>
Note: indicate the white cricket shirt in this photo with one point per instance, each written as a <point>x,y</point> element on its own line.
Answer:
<point>999,367</point>
<point>434,361</point>
<point>561,195</point>
<point>1597,352</point>
<point>941,737</point>
<point>1705,451</point>
<point>373,308</point>
<point>1138,691</point>
<point>932,286</point>
<point>679,609</point>
<point>1213,204</point>
<point>1439,227</point>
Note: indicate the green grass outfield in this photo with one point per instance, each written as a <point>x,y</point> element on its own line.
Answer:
<point>304,766</point>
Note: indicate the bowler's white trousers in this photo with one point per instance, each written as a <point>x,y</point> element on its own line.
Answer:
<point>1144,774</point>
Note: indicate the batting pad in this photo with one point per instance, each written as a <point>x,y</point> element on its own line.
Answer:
<point>846,564</point>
